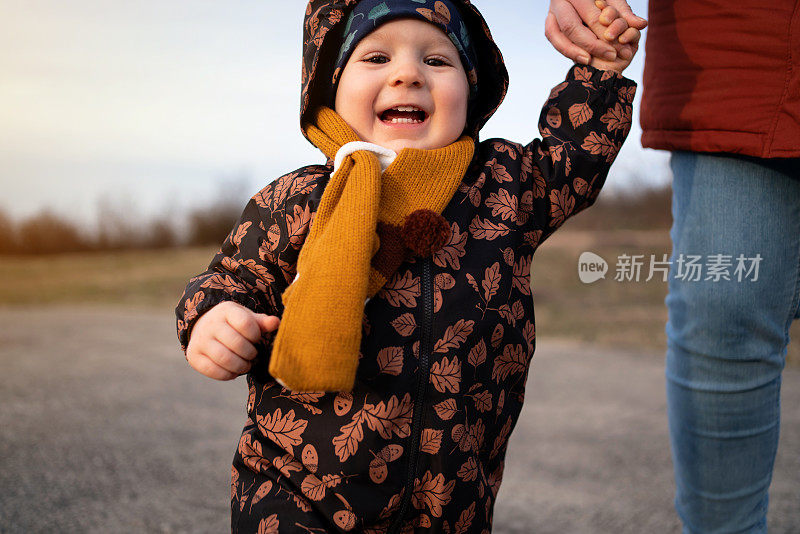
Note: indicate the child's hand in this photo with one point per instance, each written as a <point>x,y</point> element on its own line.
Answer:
<point>222,342</point>
<point>617,33</point>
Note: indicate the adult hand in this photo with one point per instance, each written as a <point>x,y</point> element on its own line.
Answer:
<point>565,29</point>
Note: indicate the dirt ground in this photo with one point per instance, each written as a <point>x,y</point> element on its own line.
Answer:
<point>106,429</point>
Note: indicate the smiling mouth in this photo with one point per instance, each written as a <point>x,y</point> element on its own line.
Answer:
<point>404,115</point>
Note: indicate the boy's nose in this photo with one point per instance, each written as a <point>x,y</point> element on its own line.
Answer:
<point>407,73</point>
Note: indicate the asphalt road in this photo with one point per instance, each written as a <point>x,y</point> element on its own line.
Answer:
<point>104,428</point>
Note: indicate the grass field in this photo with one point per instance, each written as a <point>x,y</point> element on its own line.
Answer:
<point>628,315</point>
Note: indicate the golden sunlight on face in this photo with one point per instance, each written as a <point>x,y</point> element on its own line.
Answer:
<point>404,86</point>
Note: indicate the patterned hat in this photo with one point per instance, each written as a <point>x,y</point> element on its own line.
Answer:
<point>368,15</point>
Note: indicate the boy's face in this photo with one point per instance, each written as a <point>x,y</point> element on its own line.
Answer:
<point>405,62</point>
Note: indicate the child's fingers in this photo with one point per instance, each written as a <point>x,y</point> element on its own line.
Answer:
<point>616,28</point>
<point>225,358</point>
<point>236,342</point>
<point>267,323</point>
<point>625,12</point>
<point>630,36</point>
<point>203,365</point>
<point>243,321</point>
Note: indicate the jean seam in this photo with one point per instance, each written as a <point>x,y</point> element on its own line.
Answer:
<point>794,309</point>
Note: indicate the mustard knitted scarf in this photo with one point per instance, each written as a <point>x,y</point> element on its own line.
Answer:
<point>367,224</point>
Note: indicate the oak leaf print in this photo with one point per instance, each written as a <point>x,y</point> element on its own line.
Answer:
<point>306,400</point>
<point>286,464</point>
<point>346,443</point>
<point>446,375</point>
<point>281,191</point>
<point>240,233</point>
<point>502,147</point>
<point>561,206</point>
<point>483,401</point>
<point>393,416</point>
<point>539,183</point>
<point>405,324</point>
<point>491,281</point>
<point>251,454</point>
<point>533,237</point>
<point>502,204</point>
<point>580,113</point>
<point>224,282</point>
<point>499,171</point>
<point>446,409</point>
<point>469,471</point>
<point>506,313</point>
<point>530,334</point>
<point>269,525</point>
<point>402,290</point>
<point>518,310</point>
<point>583,74</point>
<point>298,225</point>
<point>486,229</point>
<point>454,336</point>
<point>465,520</point>
<point>313,488</point>
<point>477,355</point>
<point>190,306</point>
<point>618,118</point>
<point>513,360</point>
<point>626,94</point>
<point>432,493</point>
<point>282,429</point>
<point>431,441</point>
<point>473,283</point>
<point>600,145</point>
<point>390,360</point>
<point>303,184</point>
<point>450,253</point>
<point>522,275</point>
<point>260,270</point>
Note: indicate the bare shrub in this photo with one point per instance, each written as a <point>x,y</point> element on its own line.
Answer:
<point>643,208</point>
<point>211,224</point>
<point>47,233</point>
<point>8,237</point>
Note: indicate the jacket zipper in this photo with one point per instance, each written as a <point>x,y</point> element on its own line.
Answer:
<point>423,378</point>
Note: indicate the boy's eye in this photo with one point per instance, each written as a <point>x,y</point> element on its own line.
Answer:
<point>376,59</point>
<point>436,62</point>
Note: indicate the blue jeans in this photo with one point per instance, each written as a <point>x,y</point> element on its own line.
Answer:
<point>727,339</point>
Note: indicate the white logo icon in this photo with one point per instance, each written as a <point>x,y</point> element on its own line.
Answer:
<point>591,267</point>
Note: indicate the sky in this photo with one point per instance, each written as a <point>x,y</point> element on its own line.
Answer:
<point>152,107</point>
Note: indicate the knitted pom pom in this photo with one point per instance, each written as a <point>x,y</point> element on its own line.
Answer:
<point>425,232</point>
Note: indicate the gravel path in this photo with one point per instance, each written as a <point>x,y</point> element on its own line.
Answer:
<point>106,429</point>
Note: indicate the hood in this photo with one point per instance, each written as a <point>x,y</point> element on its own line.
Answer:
<point>322,29</point>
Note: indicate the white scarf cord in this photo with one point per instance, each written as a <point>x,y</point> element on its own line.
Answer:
<point>385,155</point>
